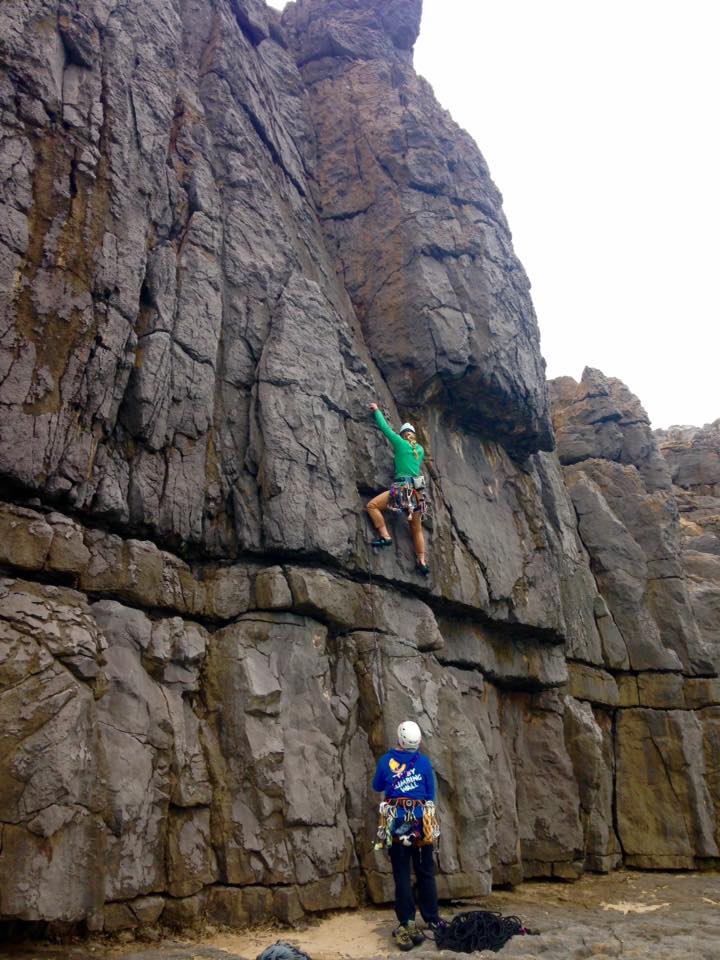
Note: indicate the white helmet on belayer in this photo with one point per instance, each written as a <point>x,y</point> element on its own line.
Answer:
<point>405,427</point>
<point>408,735</point>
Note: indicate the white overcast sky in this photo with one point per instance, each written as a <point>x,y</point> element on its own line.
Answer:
<point>599,121</point>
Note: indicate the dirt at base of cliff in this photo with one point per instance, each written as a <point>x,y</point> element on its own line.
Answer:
<point>627,915</point>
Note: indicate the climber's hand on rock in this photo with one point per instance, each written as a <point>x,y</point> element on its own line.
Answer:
<point>373,407</point>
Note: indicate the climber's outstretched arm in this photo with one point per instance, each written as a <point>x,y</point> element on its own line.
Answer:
<point>394,438</point>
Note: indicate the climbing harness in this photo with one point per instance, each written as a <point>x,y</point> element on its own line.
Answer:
<point>385,825</point>
<point>407,495</point>
<point>478,930</point>
<point>399,823</point>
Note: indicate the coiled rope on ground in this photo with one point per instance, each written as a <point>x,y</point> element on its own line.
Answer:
<point>478,930</point>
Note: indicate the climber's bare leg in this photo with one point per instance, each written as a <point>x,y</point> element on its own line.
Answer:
<point>417,535</point>
<point>377,506</point>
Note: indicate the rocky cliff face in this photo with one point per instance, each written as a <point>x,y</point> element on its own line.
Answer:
<point>224,232</point>
<point>662,659</point>
<point>693,456</point>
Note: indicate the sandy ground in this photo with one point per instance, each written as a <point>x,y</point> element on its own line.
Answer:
<point>627,915</point>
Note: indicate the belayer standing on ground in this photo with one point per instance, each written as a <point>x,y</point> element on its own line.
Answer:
<point>408,829</point>
<point>409,456</point>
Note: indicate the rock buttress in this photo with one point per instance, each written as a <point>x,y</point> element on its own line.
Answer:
<point>659,625</point>
<point>224,233</point>
<point>416,226</point>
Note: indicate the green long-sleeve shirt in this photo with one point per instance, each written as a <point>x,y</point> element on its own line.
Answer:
<point>406,463</point>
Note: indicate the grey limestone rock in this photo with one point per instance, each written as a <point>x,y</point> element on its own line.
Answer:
<point>666,817</point>
<point>502,657</point>
<point>53,793</point>
<point>588,739</point>
<point>600,418</point>
<point>592,685</point>
<point>375,671</point>
<point>278,805</point>
<point>693,455</point>
<point>221,365</point>
<point>407,204</point>
<point>628,520</point>
<point>223,233</point>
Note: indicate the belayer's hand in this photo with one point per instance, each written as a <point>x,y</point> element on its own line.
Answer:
<point>373,407</point>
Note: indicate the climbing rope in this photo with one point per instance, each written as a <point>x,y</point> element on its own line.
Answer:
<point>478,930</point>
<point>376,649</point>
<point>371,594</point>
<point>431,826</point>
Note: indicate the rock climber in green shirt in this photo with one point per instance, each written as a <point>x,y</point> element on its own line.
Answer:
<point>409,456</point>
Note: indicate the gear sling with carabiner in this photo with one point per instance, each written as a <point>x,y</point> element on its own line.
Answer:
<point>408,496</point>
<point>399,823</point>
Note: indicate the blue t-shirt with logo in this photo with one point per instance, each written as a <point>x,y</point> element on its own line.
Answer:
<point>404,773</point>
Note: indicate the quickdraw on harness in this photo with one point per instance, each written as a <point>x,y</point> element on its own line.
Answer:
<point>399,823</point>
<point>407,495</point>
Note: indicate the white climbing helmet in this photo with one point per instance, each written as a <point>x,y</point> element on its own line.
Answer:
<point>405,427</point>
<point>408,735</point>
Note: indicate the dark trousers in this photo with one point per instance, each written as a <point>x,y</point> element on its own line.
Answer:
<point>422,860</point>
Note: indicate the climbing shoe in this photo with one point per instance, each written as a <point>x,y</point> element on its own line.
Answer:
<point>381,542</point>
<point>417,936</point>
<point>438,924</point>
<point>402,937</point>
<point>422,568</point>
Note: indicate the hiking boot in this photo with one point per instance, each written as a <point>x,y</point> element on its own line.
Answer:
<point>422,568</point>
<point>417,936</point>
<point>381,542</point>
<point>403,938</point>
